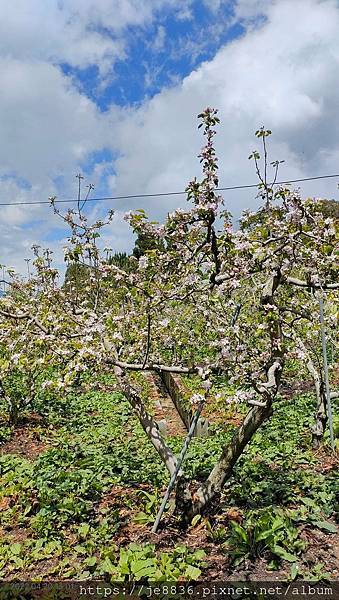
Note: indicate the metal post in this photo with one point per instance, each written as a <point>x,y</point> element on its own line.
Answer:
<point>179,463</point>
<point>327,384</point>
<point>236,314</point>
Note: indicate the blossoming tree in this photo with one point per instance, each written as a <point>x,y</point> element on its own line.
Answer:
<point>205,298</point>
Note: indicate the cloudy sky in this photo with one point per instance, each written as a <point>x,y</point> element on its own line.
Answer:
<point>111,89</point>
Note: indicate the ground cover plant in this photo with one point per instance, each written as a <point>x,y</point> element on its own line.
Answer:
<point>234,313</point>
<point>74,509</point>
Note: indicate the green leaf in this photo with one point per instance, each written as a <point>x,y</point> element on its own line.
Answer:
<point>282,553</point>
<point>142,517</point>
<point>326,526</point>
<point>294,571</point>
<point>107,566</point>
<point>239,560</point>
<point>181,549</point>
<point>80,549</point>
<point>85,575</point>
<point>240,531</point>
<point>278,523</point>
<point>19,563</point>
<point>16,549</point>
<point>308,501</point>
<point>84,530</point>
<point>263,535</point>
<point>192,572</point>
<point>199,554</point>
<point>195,520</point>
<point>141,565</point>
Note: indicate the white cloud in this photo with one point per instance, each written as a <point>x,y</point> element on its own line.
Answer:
<point>247,9</point>
<point>282,76</point>
<point>282,73</point>
<point>48,130</point>
<point>159,40</point>
<point>184,14</point>
<point>213,5</point>
<point>22,226</point>
<point>77,32</point>
<point>49,126</point>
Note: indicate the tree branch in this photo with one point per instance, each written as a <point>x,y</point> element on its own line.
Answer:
<point>25,316</point>
<point>317,286</point>
<point>148,424</point>
<point>151,367</point>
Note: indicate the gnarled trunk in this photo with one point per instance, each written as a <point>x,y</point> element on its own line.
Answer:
<point>148,424</point>
<point>222,471</point>
<point>13,413</point>
<point>318,429</point>
<point>255,417</point>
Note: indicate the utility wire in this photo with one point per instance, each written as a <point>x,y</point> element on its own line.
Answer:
<point>131,196</point>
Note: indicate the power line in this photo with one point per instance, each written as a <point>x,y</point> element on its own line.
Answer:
<point>131,196</point>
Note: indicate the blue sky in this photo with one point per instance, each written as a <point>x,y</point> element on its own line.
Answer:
<point>159,55</point>
<point>111,89</point>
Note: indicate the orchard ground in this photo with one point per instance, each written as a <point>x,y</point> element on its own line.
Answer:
<point>81,485</point>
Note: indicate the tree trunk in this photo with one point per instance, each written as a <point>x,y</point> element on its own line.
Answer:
<point>256,416</point>
<point>13,413</point>
<point>224,467</point>
<point>149,425</point>
<point>318,429</point>
<point>13,408</point>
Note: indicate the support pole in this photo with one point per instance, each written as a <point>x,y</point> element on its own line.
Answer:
<point>179,463</point>
<point>236,314</point>
<point>325,364</point>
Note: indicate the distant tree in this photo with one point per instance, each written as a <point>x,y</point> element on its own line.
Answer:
<point>330,208</point>
<point>145,243</point>
<point>76,276</point>
<point>121,260</point>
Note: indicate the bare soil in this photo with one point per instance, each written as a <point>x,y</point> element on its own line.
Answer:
<point>25,442</point>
